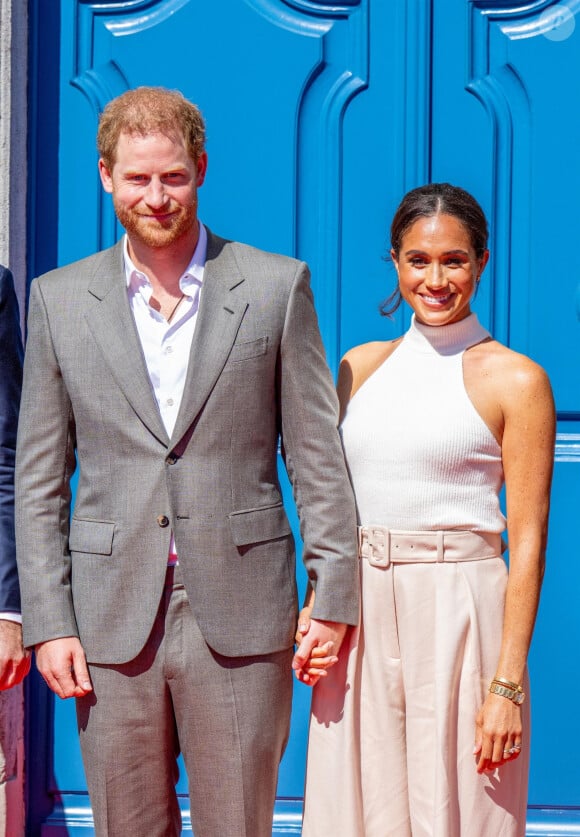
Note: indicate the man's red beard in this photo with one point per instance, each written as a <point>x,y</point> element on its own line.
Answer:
<point>155,233</point>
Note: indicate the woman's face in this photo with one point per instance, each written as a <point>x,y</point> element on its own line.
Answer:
<point>438,269</point>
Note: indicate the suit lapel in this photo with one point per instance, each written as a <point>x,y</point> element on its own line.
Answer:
<point>113,328</point>
<point>220,314</point>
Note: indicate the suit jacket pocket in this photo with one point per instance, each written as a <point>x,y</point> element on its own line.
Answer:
<point>257,525</point>
<point>94,536</point>
<point>247,350</point>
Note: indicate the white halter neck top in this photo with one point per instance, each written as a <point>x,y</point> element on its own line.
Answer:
<point>419,454</point>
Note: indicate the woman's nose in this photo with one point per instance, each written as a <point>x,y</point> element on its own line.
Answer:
<point>436,276</point>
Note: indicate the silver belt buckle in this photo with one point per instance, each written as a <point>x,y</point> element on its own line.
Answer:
<point>379,546</point>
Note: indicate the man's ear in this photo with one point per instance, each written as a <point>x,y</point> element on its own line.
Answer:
<point>201,168</point>
<point>105,176</point>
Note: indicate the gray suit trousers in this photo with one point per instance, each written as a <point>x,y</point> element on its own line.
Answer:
<point>179,695</point>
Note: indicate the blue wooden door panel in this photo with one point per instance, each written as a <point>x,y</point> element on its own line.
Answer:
<point>251,116</point>
<point>321,114</point>
<point>274,79</point>
<point>504,75</point>
<point>505,141</point>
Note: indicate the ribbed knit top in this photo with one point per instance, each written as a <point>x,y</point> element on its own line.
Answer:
<point>419,454</point>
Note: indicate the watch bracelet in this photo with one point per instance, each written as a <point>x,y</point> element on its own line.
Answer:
<point>516,696</point>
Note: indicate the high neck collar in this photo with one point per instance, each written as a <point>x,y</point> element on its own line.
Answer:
<point>447,339</point>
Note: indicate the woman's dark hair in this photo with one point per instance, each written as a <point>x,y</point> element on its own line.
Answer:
<point>429,200</point>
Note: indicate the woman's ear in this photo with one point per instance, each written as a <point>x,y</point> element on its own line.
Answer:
<point>483,261</point>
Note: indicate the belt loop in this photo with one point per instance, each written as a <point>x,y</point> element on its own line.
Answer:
<point>440,547</point>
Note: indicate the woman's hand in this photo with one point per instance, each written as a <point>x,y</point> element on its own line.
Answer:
<point>498,733</point>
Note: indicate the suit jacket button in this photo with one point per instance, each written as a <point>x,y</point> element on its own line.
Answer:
<point>171,459</point>
<point>163,521</point>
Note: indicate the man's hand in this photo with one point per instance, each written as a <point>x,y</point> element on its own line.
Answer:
<point>318,649</point>
<point>14,658</point>
<point>63,665</point>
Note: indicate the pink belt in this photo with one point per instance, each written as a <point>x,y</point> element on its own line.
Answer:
<point>381,546</point>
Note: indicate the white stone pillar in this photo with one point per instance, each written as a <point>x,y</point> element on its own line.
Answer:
<point>13,142</point>
<point>13,137</point>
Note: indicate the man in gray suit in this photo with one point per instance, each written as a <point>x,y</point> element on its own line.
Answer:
<point>168,368</point>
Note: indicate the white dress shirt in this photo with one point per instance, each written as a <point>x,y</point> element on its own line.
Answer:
<point>167,345</point>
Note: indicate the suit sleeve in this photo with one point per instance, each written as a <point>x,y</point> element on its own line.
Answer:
<point>10,386</point>
<point>314,459</point>
<point>45,461</point>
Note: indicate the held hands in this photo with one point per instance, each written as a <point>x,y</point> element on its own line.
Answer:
<point>318,644</point>
<point>63,665</point>
<point>498,733</point>
<point>14,658</point>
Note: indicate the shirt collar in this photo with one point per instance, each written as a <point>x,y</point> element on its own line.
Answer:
<point>191,278</point>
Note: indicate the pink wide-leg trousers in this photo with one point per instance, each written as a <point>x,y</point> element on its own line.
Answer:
<point>393,725</point>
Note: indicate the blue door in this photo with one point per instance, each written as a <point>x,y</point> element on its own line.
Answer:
<point>320,114</point>
<point>504,79</point>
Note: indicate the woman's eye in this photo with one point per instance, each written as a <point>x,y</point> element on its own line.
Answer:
<point>417,261</point>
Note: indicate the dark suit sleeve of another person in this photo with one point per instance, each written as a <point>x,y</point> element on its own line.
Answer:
<point>10,387</point>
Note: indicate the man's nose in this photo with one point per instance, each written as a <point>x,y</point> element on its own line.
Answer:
<point>155,195</point>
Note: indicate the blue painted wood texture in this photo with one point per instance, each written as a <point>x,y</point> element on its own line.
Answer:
<point>320,116</point>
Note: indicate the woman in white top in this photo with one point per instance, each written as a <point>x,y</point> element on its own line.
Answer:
<point>419,727</point>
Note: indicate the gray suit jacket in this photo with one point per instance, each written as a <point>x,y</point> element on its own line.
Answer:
<point>256,373</point>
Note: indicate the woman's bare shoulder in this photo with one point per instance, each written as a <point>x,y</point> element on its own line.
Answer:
<point>359,363</point>
<point>513,382</point>
<point>368,352</point>
<point>507,367</point>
